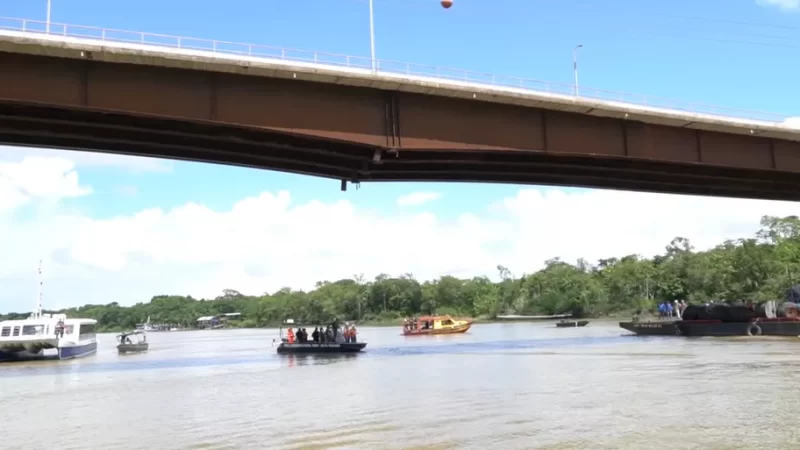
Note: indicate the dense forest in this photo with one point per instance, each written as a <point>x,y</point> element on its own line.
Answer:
<point>759,268</point>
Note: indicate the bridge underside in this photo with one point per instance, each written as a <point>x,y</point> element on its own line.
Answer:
<point>156,137</point>
<point>366,134</point>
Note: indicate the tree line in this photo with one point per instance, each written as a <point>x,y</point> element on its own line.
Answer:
<point>754,269</point>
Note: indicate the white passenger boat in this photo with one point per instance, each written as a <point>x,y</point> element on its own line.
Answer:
<point>46,336</point>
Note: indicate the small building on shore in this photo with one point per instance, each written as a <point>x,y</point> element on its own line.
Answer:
<point>217,322</point>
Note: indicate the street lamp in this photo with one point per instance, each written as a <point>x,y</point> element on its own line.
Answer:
<point>575,66</point>
<point>371,37</point>
<point>47,22</point>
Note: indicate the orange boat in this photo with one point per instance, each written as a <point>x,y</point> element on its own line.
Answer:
<point>428,325</point>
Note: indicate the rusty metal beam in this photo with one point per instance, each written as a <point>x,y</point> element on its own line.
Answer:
<point>357,134</point>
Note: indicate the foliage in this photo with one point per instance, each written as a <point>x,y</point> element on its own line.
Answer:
<point>756,269</point>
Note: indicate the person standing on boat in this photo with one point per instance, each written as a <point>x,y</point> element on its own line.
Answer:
<point>353,334</point>
<point>315,335</point>
<point>60,329</point>
<point>290,336</point>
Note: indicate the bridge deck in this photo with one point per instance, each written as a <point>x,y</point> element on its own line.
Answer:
<point>119,46</point>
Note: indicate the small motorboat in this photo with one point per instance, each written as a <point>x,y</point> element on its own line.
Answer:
<point>433,325</point>
<point>337,346</point>
<point>572,323</point>
<point>132,342</point>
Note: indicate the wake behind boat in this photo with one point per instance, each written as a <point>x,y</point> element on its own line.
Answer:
<point>46,336</point>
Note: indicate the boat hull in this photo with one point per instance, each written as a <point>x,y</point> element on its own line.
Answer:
<point>702,328</point>
<point>666,328</point>
<point>77,351</point>
<point>132,348</point>
<point>62,353</point>
<point>457,329</point>
<point>572,324</point>
<point>315,348</point>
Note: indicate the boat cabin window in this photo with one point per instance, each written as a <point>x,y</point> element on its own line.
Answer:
<point>86,331</point>
<point>16,331</point>
<point>6,332</point>
<point>447,322</point>
<point>69,329</point>
<point>32,330</point>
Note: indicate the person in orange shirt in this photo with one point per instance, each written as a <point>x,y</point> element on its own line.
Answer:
<point>353,334</point>
<point>290,336</point>
<point>347,333</point>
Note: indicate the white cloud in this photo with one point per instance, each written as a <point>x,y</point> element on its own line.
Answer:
<point>38,178</point>
<point>794,121</point>
<point>418,198</point>
<point>785,5</point>
<point>135,164</point>
<point>267,241</point>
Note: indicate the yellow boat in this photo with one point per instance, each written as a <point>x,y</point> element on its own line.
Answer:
<point>427,325</point>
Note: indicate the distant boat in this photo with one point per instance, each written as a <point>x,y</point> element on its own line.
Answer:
<point>132,342</point>
<point>147,327</point>
<point>524,318</point>
<point>572,323</point>
<point>434,325</point>
<point>46,336</point>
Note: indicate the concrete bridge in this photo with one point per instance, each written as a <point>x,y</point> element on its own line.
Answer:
<point>334,116</point>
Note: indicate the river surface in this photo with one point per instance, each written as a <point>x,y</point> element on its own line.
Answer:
<point>505,386</point>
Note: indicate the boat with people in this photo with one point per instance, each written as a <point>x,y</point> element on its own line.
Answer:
<point>771,318</point>
<point>132,342</point>
<point>330,340</point>
<point>434,325</point>
<point>572,323</point>
<point>46,336</point>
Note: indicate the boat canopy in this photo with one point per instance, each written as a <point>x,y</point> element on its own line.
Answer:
<point>131,333</point>
<point>432,318</point>
<point>141,336</point>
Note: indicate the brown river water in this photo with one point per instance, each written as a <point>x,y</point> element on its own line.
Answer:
<point>505,386</point>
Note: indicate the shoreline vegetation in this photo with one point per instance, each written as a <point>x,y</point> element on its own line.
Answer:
<point>754,269</point>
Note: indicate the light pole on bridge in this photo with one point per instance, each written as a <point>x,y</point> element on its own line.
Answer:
<point>47,20</point>
<point>575,66</point>
<point>371,37</point>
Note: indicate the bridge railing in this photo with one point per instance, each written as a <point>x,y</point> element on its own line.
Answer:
<point>383,66</point>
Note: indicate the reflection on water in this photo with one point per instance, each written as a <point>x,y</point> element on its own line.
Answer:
<point>499,386</point>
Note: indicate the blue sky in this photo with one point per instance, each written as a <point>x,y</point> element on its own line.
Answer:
<point>737,56</point>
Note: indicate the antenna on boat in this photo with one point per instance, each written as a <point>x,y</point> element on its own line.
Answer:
<point>37,313</point>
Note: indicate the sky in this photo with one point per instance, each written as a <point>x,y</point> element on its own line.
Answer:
<point>122,229</point>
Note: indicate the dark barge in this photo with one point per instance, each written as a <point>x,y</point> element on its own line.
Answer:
<point>767,319</point>
<point>324,348</point>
